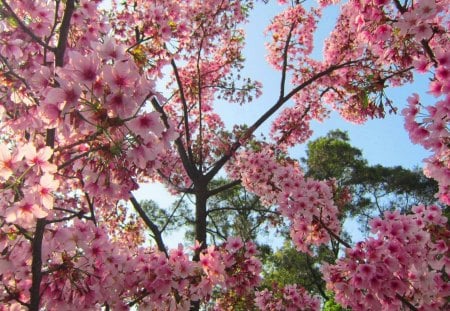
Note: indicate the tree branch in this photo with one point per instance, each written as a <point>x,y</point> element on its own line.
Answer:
<point>238,143</point>
<point>334,235</point>
<point>36,265</point>
<point>200,124</point>
<point>25,28</point>
<point>180,189</point>
<point>224,187</point>
<point>228,208</point>
<point>173,213</point>
<point>64,33</point>
<point>285,60</point>
<point>150,225</point>
<point>316,277</point>
<point>185,110</point>
<point>406,302</point>
<point>187,164</point>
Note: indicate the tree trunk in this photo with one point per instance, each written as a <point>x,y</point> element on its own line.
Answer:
<point>201,199</point>
<point>200,220</point>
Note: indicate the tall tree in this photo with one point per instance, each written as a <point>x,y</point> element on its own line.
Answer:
<point>373,189</point>
<point>332,156</point>
<point>83,124</point>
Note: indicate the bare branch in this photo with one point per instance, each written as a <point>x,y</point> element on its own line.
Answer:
<point>185,110</point>
<point>224,187</point>
<point>150,224</point>
<point>285,61</point>
<point>173,213</point>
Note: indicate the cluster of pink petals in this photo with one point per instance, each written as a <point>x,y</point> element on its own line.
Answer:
<point>83,269</point>
<point>432,132</point>
<point>26,170</point>
<point>289,298</point>
<point>407,260</point>
<point>307,203</point>
<point>104,137</point>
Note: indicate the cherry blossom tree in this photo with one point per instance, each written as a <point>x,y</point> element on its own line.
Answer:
<point>84,122</point>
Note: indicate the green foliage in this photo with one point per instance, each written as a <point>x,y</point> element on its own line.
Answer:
<point>166,219</point>
<point>332,156</point>
<point>374,189</point>
<point>288,266</point>
<point>332,305</point>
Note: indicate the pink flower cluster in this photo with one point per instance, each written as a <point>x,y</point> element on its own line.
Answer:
<point>288,298</point>
<point>27,183</point>
<point>84,268</point>
<point>307,203</point>
<point>406,262</point>
<point>432,132</point>
<point>94,97</point>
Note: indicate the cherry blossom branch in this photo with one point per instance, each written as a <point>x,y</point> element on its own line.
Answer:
<point>402,9</point>
<point>224,187</point>
<point>172,184</point>
<point>331,233</point>
<point>81,155</point>
<point>15,295</point>
<point>25,28</point>
<point>150,224</point>
<point>91,208</point>
<point>81,141</point>
<point>36,265</point>
<point>238,143</point>
<point>285,61</point>
<point>406,302</point>
<point>24,232</point>
<point>192,173</point>
<point>144,293</point>
<point>287,133</point>
<point>185,109</point>
<point>78,215</point>
<point>52,31</point>
<point>64,33</point>
<point>12,72</point>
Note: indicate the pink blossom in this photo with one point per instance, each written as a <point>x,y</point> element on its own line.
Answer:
<point>47,185</point>
<point>120,75</point>
<point>39,158</point>
<point>25,212</point>
<point>146,123</point>
<point>85,68</point>
<point>6,162</point>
